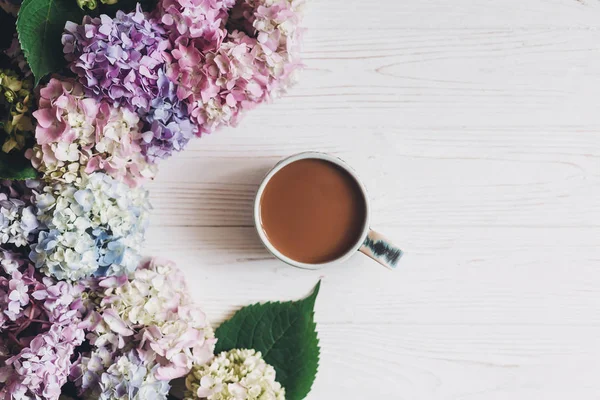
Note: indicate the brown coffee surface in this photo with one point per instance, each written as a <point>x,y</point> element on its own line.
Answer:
<point>312,211</point>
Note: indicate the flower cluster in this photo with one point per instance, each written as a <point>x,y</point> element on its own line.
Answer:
<point>220,58</point>
<point>18,220</point>
<point>129,376</point>
<point>76,134</point>
<point>277,29</point>
<point>256,61</point>
<point>150,316</point>
<point>167,125</point>
<point>275,25</point>
<point>200,22</point>
<point>93,227</point>
<point>38,330</point>
<point>118,59</point>
<point>123,61</point>
<point>16,126</point>
<point>239,374</point>
<point>42,368</point>
<point>217,84</point>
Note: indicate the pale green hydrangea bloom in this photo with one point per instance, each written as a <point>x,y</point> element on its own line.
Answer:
<point>238,374</point>
<point>16,125</point>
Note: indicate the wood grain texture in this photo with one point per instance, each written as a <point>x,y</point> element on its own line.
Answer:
<point>476,128</point>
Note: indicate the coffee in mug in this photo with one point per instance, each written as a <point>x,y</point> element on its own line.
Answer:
<point>312,210</point>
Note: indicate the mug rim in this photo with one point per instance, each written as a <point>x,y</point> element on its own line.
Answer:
<point>279,166</point>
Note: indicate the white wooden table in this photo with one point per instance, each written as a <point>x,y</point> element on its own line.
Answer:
<point>476,127</point>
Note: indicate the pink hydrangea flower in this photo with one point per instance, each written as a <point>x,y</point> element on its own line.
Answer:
<point>254,63</point>
<point>219,84</point>
<point>78,134</point>
<point>201,22</point>
<point>42,368</point>
<point>276,26</point>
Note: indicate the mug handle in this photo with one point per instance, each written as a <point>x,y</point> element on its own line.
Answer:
<point>380,249</point>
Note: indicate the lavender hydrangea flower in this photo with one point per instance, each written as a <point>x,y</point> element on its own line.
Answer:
<point>18,220</point>
<point>94,227</point>
<point>118,58</point>
<point>41,369</point>
<point>167,124</point>
<point>38,330</point>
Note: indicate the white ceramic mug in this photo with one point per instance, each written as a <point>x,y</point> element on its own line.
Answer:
<point>371,243</point>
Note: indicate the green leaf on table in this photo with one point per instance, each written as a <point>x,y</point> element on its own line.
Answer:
<point>40,25</point>
<point>285,334</point>
<point>14,166</point>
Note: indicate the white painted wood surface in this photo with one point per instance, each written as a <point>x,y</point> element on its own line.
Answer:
<point>476,127</point>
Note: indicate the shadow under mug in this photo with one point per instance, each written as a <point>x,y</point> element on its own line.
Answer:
<point>370,242</point>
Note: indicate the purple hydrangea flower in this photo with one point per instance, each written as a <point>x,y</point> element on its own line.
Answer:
<point>42,368</point>
<point>118,58</point>
<point>167,124</point>
<point>38,330</point>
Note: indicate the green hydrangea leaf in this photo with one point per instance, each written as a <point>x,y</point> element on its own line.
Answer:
<point>285,333</point>
<point>14,166</point>
<point>40,25</point>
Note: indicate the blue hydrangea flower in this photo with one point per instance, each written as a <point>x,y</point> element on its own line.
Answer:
<point>106,376</point>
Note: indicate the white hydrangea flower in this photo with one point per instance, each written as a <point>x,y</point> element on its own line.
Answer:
<point>18,221</point>
<point>118,130</point>
<point>157,289</point>
<point>239,374</point>
<point>94,227</point>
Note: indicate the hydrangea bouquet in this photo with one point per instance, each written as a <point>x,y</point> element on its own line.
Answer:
<point>93,95</point>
